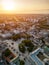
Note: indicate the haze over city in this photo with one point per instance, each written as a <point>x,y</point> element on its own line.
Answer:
<point>24,32</point>
<point>24,6</point>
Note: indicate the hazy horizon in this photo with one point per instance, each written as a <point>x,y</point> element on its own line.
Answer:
<point>24,6</point>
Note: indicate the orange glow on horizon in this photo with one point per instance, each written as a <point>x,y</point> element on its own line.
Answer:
<point>24,6</point>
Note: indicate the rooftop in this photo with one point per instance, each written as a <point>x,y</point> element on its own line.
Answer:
<point>38,56</point>
<point>8,55</point>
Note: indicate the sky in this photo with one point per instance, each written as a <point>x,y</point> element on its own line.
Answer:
<point>24,6</point>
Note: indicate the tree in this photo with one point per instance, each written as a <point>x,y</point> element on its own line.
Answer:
<point>22,62</point>
<point>22,48</point>
<point>15,37</point>
<point>7,52</point>
<point>30,49</point>
<point>27,42</point>
<point>29,45</point>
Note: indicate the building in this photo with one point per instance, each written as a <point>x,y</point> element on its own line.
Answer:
<point>46,50</point>
<point>10,57</point>
<point>46,40</point>
<point>1,60</point>
<point>37,57</point>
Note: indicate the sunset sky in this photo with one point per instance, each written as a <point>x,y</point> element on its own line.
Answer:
<point>24,6</point>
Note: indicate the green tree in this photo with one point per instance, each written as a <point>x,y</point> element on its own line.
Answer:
<point>22,48</point>
<point>15,37</point>
<point>29,45</point>
<point>22,62</point>
<point>27,42</point>
<point>7,52</point>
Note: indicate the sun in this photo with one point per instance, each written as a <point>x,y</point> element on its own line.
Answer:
<point>8,5</point>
